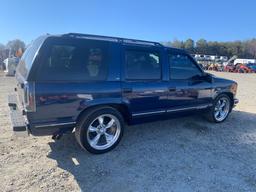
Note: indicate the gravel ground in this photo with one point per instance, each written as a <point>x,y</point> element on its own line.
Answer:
<point>186,154</point>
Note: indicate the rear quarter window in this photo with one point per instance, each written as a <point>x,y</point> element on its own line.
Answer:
<point>75,60</point>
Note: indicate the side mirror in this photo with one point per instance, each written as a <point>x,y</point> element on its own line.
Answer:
<point>197,78</point>
<point>204,77</point>
<point>207,77</point>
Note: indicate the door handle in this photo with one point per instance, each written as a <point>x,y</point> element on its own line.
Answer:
<point>127,90</point>
<point>172,89</point>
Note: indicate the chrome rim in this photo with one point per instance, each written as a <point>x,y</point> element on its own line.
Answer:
<point>103,132</point>
<point>221,109</point>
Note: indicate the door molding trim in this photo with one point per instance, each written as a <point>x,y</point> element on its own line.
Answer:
<point>148,113</point>
<point>55,124</point>
<point>190,108</point>
<point>204,106</point>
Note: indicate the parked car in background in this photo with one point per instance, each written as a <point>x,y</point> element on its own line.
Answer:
<point>252,66</point>
<point>230,68</point>
<point>216,67</point>
<point>241,68</point>
<point>94,85</point>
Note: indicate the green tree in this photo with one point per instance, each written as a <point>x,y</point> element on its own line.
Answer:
<point>201,46</point>
<point>189,45</point>
<point>243,49</point>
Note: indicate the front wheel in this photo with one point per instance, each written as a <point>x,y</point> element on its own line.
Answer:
<point>220,109</point>
<point>100,130</point>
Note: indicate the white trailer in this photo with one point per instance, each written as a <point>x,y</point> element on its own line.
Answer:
<point>244,61</point>
<point>10,65</point>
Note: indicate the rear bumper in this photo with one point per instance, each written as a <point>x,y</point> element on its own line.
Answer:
<point>22,127</point>
<point>51,128</point>
<point>18,120</point>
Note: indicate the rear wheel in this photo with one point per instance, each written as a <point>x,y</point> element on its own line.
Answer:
<point>220,109</point>
<point>100,130</point>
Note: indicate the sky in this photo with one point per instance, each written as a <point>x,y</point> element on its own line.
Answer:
<point>155,20</point>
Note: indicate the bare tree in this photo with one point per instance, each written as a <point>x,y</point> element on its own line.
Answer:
<point>177,44</point>
<point>2,47</point>
<point>15,45</point>
<point>251,47</point>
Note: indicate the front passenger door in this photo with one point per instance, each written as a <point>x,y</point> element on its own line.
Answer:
<point>187,90</point>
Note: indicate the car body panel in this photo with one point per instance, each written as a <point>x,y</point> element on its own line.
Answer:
<point>185,93</point>
<point>59,104</point>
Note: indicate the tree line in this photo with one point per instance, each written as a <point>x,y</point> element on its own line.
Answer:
<point>242,49</point>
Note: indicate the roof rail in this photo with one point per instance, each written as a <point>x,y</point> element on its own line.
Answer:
<point>114,39</point>
<point>141,42</point>
<point>88,36</point>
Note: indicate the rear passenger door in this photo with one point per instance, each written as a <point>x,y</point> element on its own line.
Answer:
<point>75,74</point>
<point>187,90</point>
<point>142,86</point>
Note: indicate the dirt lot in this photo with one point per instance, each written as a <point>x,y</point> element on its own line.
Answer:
<point>187,154</point>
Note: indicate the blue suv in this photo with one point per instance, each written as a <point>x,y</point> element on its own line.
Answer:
<point>94,85</point>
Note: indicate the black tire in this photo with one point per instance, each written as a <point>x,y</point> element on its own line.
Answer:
<point>81,131</point>
<point>241,71</point>
<point>210,115</point>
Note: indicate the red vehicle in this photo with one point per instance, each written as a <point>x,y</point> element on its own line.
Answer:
<point>240,68</point>
<point>230,68</point>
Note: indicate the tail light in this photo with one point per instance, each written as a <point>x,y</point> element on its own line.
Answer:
<point>234,88</point>
<point>29,97</point>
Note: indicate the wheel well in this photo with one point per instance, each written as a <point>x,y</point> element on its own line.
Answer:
<point>123,109</point>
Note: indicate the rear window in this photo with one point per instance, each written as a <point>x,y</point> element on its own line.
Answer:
<point>83,60</point>
<point>28,57</point>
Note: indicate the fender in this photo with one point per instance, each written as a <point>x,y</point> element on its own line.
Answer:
<point>114,102</point>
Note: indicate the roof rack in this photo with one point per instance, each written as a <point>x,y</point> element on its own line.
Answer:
<point>114,39</point>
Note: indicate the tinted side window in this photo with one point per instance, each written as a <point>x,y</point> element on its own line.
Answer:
<point>75,61</point>
<point>182,67</point>
<point>142,65</point>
